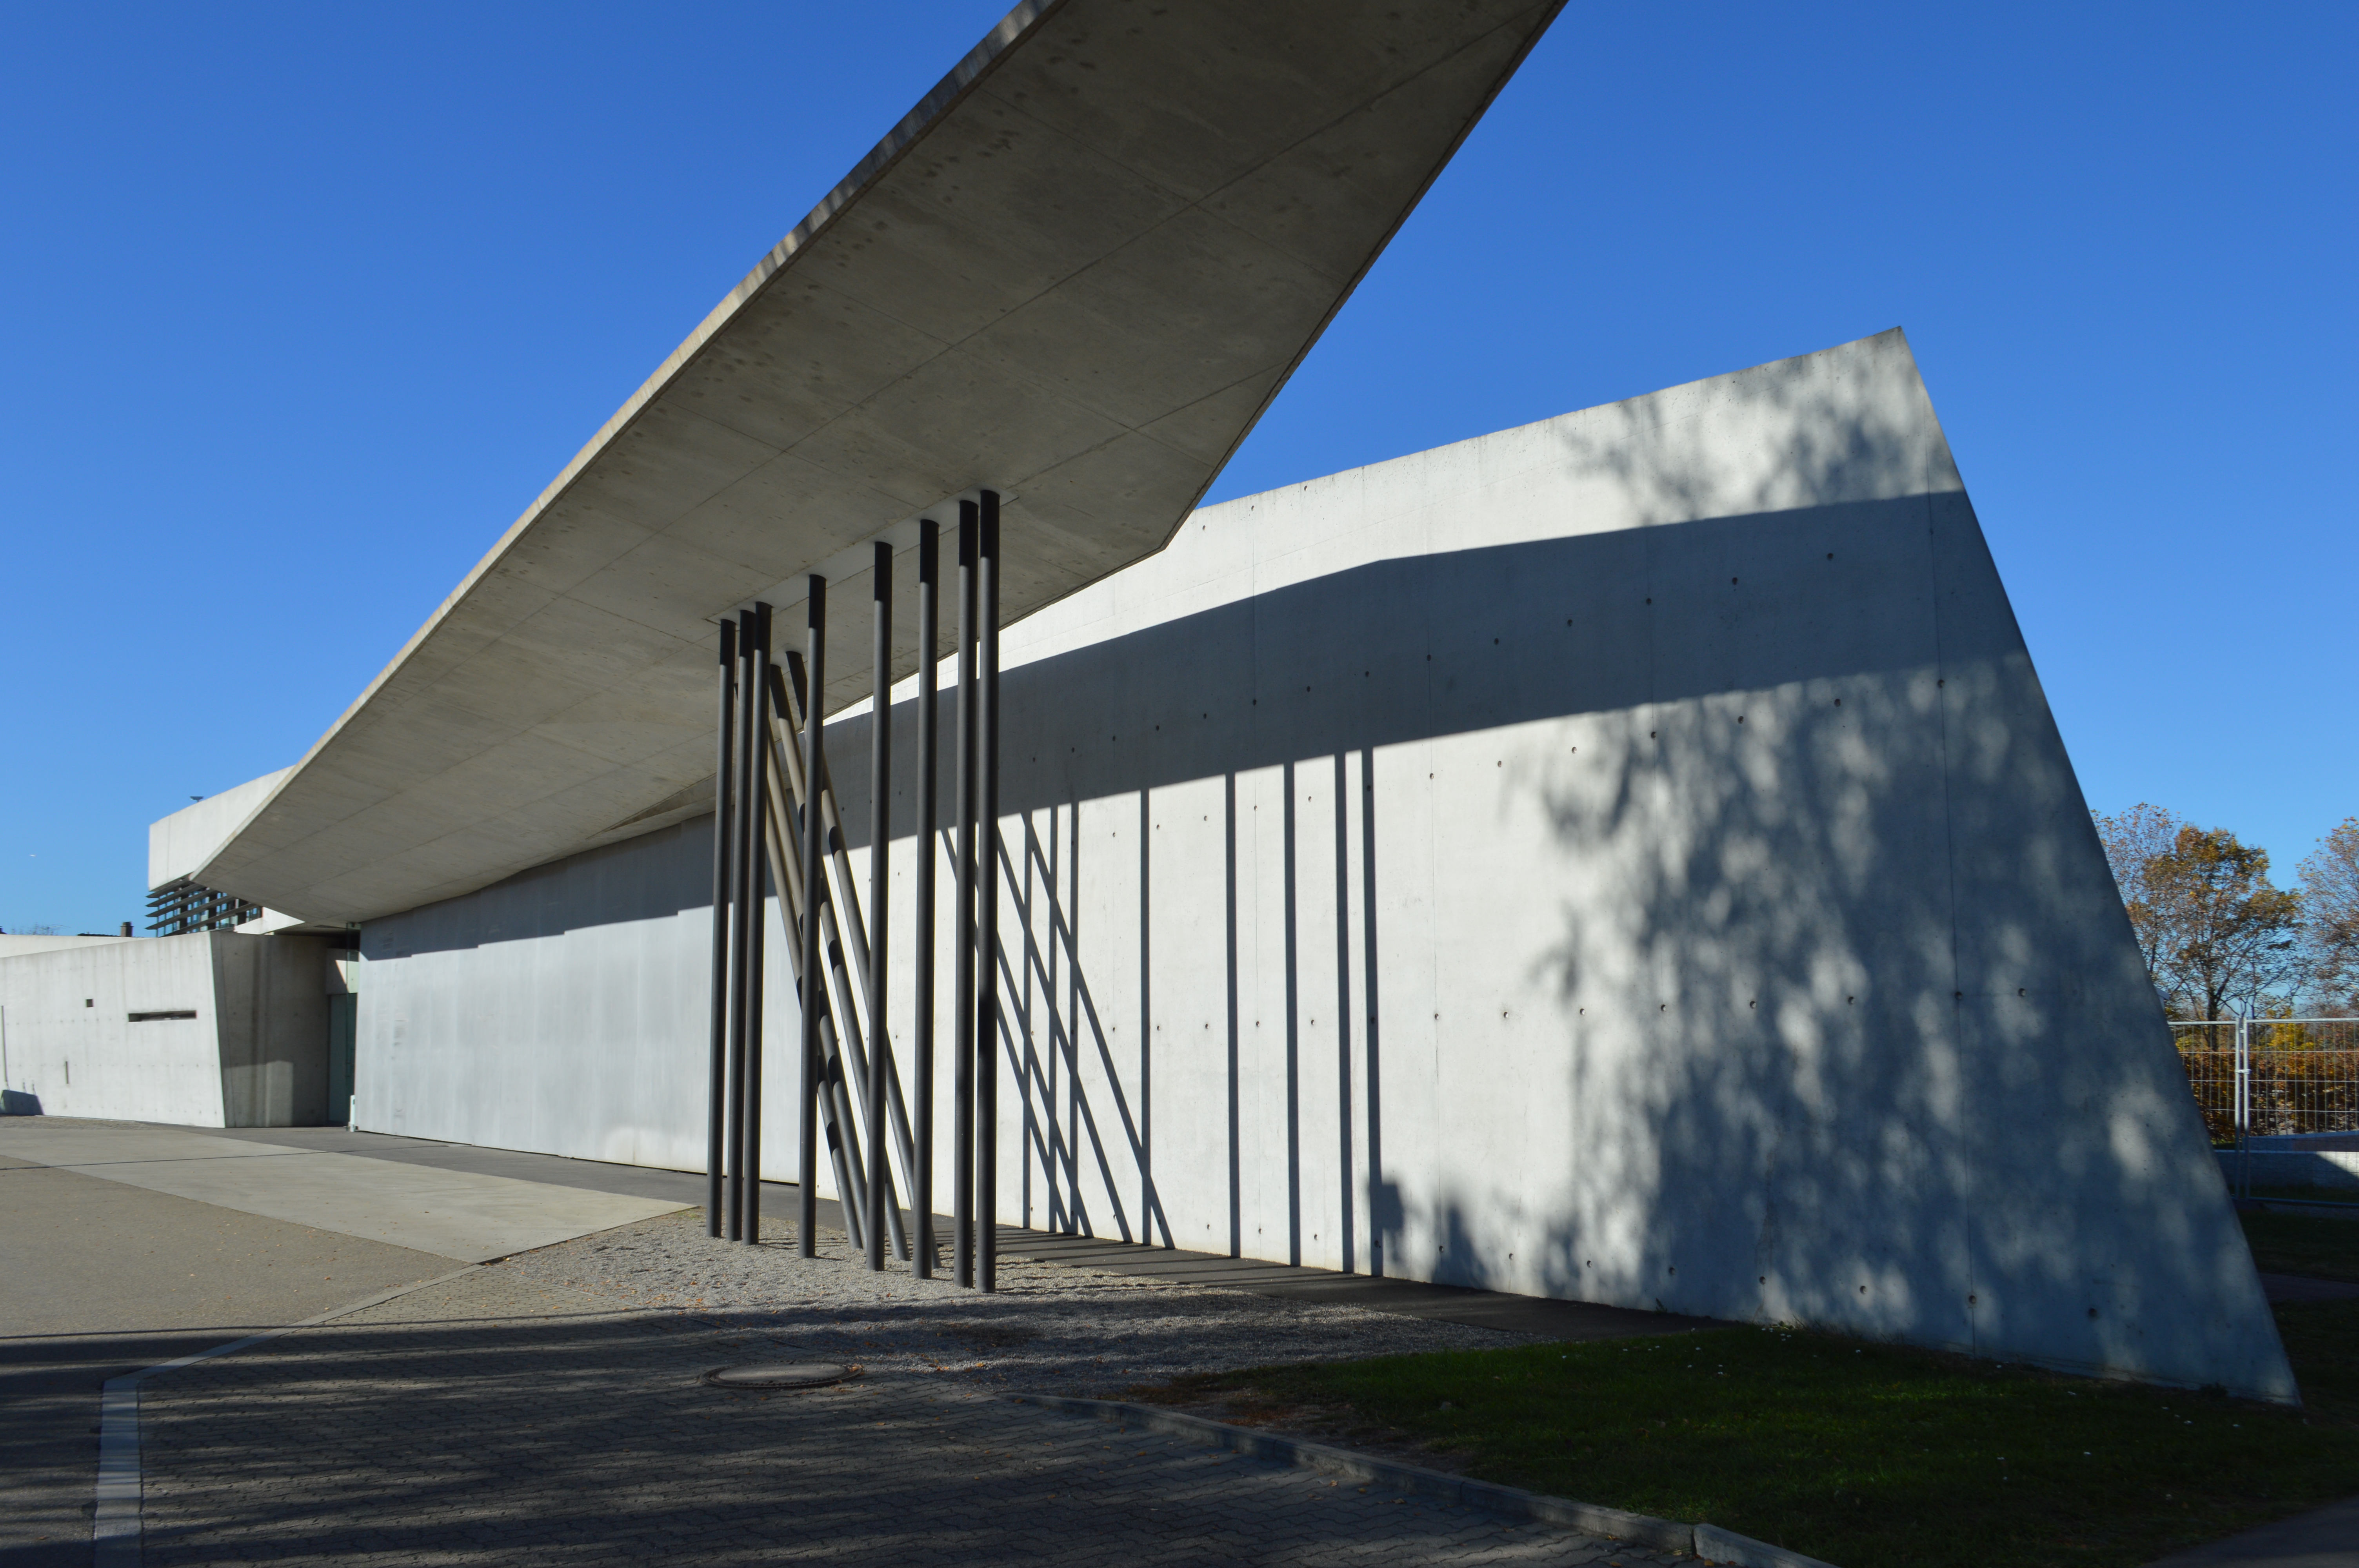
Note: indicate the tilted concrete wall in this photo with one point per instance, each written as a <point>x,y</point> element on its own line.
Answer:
<point>180,843</point>
<point>254,1056</point>
<point>15,946</point>
<point>1627,857</point>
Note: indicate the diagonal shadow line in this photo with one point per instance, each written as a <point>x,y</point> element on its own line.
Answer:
<point>1068,944</point>
<point>1062,934</point>
<point>1056,1153</point>
<point>1031,1137</point>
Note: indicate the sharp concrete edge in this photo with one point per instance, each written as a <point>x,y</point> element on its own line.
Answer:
<point>115,1525</point>
<point>1708,1542</point>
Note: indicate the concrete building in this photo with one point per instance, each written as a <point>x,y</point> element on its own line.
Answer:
<point>209,1029</point>
<point>1627,857</point>
<point>214,1024</point>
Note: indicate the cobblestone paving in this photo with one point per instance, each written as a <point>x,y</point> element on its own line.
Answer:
<point>501,1417</point>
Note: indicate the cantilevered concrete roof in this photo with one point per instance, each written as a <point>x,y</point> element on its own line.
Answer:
<point>1076,272</point>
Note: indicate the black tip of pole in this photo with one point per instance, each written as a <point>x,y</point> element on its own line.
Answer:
<point>968,514</point>
<point>990,509</point>
<point>881,571</point>
<point>930,548</point>
<point>728,642</point>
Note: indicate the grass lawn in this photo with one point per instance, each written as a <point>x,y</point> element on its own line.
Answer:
<point>2324,1246</point>
<point>1865,1456</point>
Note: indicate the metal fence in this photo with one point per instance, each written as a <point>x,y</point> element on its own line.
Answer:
<point>2264,1077</point>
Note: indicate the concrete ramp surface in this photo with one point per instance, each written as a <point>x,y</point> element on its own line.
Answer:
<point>456,1213</point>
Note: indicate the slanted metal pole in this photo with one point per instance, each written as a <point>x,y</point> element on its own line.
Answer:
<point>786,875</point>
<point>814,715</point>
<point>880,864</point>
<point>921,1178</point>
<point>717,1095</point>
<point>986,1022</point>
<point>839,913</point>
<point>754,815</point>
<point>962,956</point>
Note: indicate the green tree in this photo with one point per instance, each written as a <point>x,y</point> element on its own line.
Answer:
<point>2212,928</point>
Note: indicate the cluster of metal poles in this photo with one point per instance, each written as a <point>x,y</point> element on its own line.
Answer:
<point>776,820</point>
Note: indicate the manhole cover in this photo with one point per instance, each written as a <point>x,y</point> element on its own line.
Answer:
<point>781,1375</point>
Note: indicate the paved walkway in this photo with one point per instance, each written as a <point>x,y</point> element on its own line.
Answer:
<point>521,1409</point>
<point>458,1214</point>
<point>494,1418</point>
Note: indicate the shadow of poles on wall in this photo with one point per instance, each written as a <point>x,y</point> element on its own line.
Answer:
<point>1303,687</point>
<point>1754,991</point>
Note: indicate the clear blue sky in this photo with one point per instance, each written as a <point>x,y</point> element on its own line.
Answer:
<point>300,305</point>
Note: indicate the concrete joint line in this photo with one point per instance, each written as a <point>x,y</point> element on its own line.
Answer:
<point>1708,1542</point>
<point>115,1526</point>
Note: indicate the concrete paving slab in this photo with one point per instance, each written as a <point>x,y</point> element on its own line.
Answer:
<point>683,1188</point>
<point>465,1216</point>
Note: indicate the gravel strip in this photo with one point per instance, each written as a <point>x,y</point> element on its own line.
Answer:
<point>1050,1327</point>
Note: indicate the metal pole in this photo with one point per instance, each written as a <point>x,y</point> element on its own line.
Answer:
<point>922,1182</point>
<point>2244,1103</point>
<point>746,900</point>
<point>755,811</point>
<point>741,851</point>
<point>814,715</point>
<point>786,873</point>
<point>717,1096</point>
<point>839,914</point>
<point>880,861</point>
<point>962,956</point>
<point>986,1022</point>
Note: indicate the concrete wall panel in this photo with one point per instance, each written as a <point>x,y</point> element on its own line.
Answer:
<point>271,1021</point>
<point>1627,858</point>
<point>252,1055</point>
<point>562,1010</point>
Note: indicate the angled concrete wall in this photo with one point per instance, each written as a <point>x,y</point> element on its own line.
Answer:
<point>1627,858</point>
<point>180,843</point>
<point>15,946</point>
<point>254,1054</point>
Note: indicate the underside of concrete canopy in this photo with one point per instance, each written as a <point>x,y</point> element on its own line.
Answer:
<point>1075,274</point>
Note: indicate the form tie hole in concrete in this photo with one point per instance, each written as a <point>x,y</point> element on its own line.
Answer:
<point>782,1374</point>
